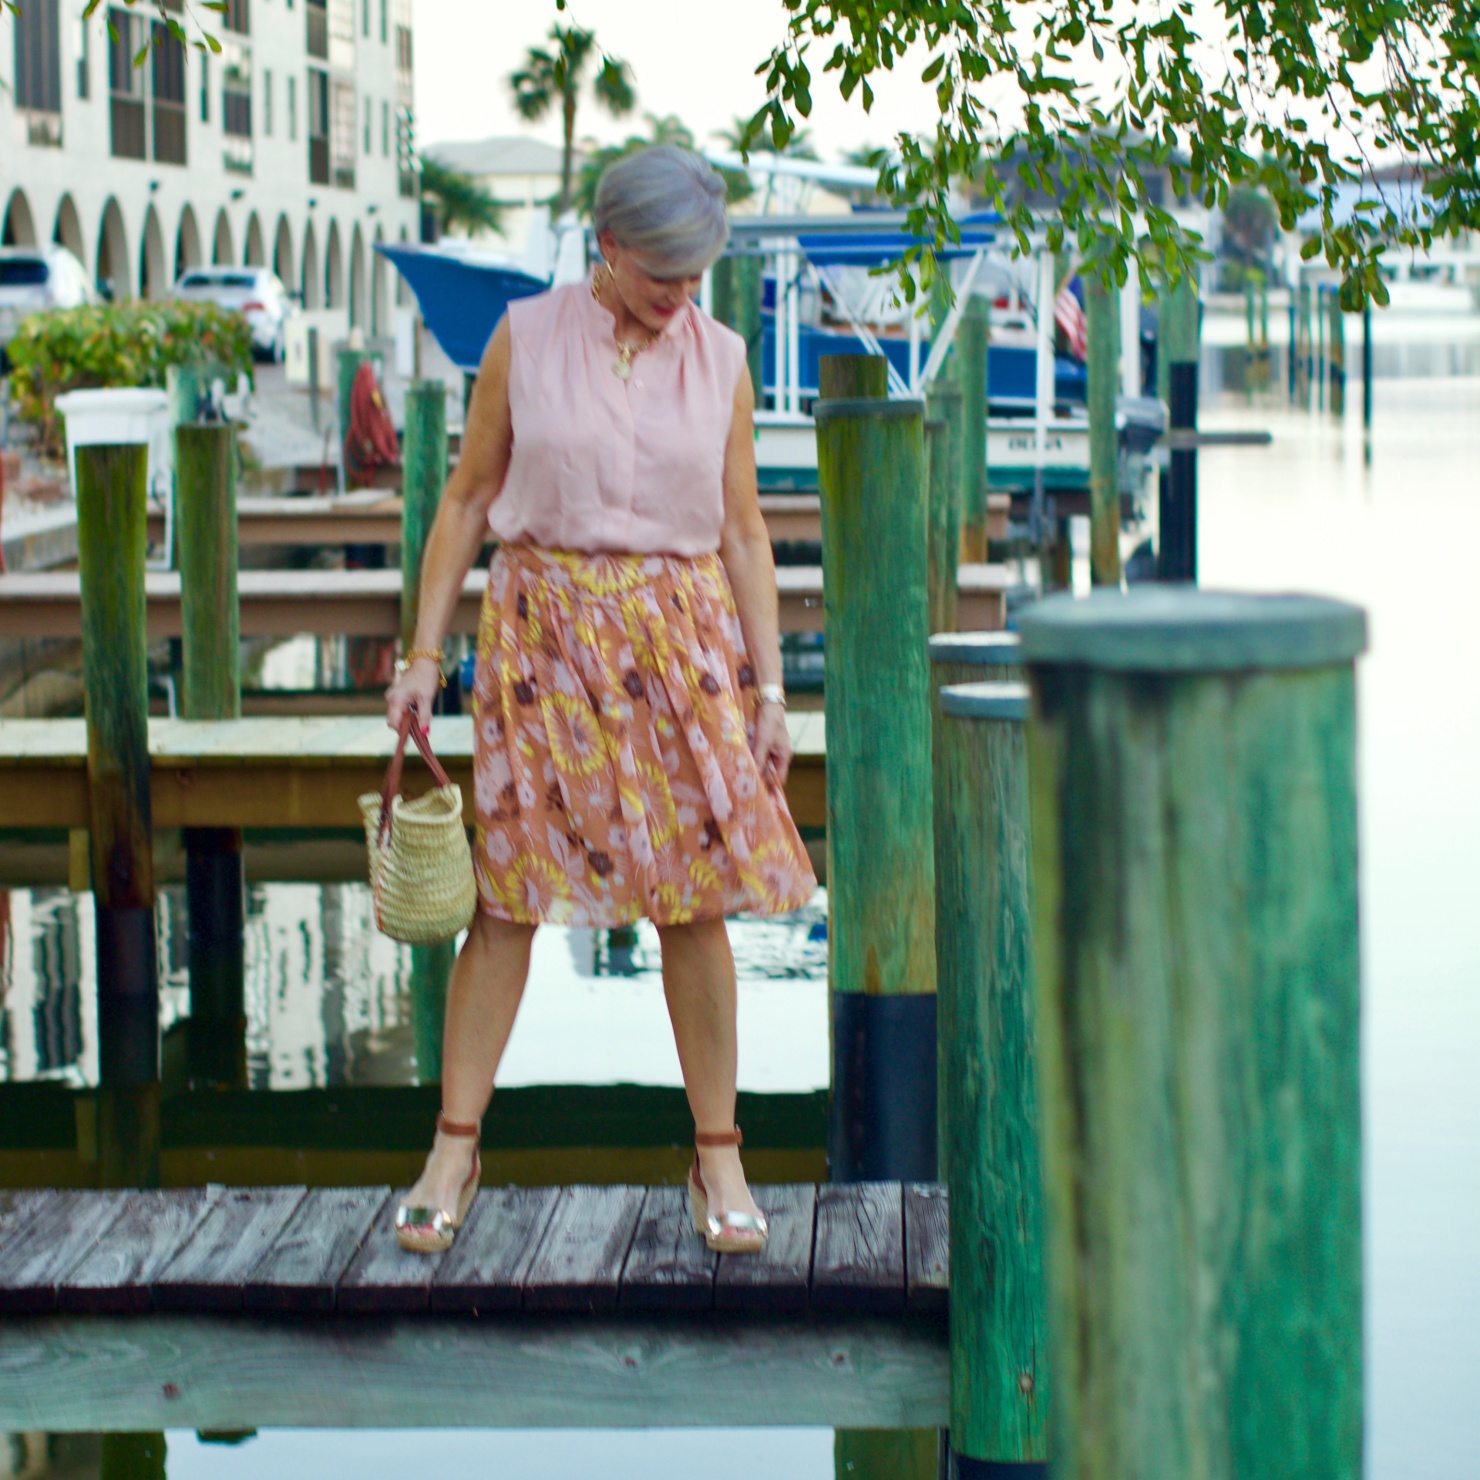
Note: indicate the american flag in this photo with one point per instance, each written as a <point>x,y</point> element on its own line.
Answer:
<point>1068,314</point>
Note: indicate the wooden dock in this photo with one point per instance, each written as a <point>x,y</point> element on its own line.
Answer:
<point>562,1306</point>
<point>281,772</point>
<point>367,603</point>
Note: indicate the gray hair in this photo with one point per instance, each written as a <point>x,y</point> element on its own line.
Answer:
<point>667,206</point>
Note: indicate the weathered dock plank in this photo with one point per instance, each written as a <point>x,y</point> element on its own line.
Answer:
<point>105,1373</point>
<point>669,1266</point>
<point>367,603</point>
<point>778,1279</point>
<point>383,1277</point>
<point>280,772</point>
<point>858,1257</point>
<point>47,1248</point>
<point>486,1267</point>
<point>302,1269</point>
<point>927,1248</point>
<point>115,1275</point>
<point>579,1263</point>
<point>210,1272</point>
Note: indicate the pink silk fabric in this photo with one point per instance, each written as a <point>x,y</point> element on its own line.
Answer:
<point>603,464</point>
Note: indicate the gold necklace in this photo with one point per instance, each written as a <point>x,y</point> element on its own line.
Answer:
<point>622,365</point>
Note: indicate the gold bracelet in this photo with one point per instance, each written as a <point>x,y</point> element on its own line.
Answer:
<point>412,654</point>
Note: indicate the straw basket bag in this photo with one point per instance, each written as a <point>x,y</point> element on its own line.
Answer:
<point>421,871</point>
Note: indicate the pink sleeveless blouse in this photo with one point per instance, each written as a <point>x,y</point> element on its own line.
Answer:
<point>603,464</point>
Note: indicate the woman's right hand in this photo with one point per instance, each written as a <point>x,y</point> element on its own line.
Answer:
<point>415,690</point>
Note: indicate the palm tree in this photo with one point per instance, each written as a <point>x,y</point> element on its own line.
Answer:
<point>669,130</point>
<point>459,200</point>
<point>553,77</point>
<point>750,136</point>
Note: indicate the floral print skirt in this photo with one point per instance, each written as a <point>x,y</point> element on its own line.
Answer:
<point>613,715</point>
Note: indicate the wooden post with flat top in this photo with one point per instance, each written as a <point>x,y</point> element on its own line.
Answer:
<point>1193,789</point>
<point>881,891</point>
<point>215,883</point>
<point>943,406</point>
<point>1102,327</point>
<point>111,490</point>
<point>971,376</point>
<point>990,1145</point>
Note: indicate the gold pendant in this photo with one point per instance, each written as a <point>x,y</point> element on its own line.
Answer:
<point>622,368</point>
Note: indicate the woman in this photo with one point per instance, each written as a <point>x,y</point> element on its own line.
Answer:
<point>630,727</point>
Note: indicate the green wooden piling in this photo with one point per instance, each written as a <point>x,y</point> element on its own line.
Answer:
<point>971,376</point>
<point>1338,355</point>
<point>425,463</point>
<point>1304,358</point>
<point>955,658</point>
<point>736,289</point>
<point>132,1457</point>
<point>881,967</point>
<point>943,405</point>
<point>886,1454</point>
<point>111,488</point>
<point>1193,803</point>
<point>853,377</point>
<point>215,881</point>
<point>999,1375</point>
<point>210,622</point>
<point>1102,324</point>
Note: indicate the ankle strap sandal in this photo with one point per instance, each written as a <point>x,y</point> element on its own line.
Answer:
<point>733,1232</point>
<point>431,1230</point>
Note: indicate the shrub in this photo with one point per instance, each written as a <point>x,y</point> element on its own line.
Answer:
<point>125,344</point>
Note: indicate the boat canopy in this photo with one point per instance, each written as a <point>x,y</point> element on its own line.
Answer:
<point>877,249</point>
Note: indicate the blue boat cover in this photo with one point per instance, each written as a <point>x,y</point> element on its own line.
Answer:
<point>461,300</point>
<point>839,249</point>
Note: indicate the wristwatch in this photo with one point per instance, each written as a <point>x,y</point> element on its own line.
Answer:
<point>773,693</point>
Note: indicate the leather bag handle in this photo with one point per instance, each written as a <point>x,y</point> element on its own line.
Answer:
<point>392,785</point>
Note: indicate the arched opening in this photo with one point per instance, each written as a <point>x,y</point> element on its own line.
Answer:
<point>153,271</point>
<point>313,283</point>
<point>333,270</point>
<point>402,294</point>
<point>187,244</point>
<point>256,252</point>
<point>380,319</point>
<point>115,281</point>
<point>222,254</point>
<point>20,228</point>
<point>358,305</point>
<point>67,232</point>
<point>282,251</point>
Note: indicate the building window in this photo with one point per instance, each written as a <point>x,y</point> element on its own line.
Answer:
<point>236,108</point>
<point>365,19</point>
<point>125,84</point>
<point>403,48</point>
<point>237,16</point>
<point>369,126</point>
<point>385,21</point>
<point>318,124</point>
<point>266,104</point>
<point>205,87</point>
<point>167,69</point>
<point>342,134</point>
<point>385,129</point>
<point>84,61</point>
<point>316,16</point>
<point>406,150</point>
<point>342,36</point>
<point>292,107</point>
<point>38,68</point>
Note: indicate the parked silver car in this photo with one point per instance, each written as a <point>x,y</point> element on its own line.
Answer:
<point>37,278</point>
<point>252,291</point>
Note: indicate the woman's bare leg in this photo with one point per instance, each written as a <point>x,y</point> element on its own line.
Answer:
<point>699,983</point>
<point>483,997</point>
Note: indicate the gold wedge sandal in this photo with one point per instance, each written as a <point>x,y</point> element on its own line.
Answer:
<point>431,1230</point>
<point>736,1232</point>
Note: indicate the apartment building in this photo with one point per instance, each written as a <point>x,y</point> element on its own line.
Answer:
<point>292,147</point>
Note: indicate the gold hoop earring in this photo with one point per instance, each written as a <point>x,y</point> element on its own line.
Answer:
<point>598,282</point>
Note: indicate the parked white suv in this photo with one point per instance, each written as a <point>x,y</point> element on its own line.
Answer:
<point>36,278</point>
<point>252,291</point>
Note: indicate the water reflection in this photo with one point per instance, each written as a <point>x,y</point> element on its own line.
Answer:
<point>329,998</point>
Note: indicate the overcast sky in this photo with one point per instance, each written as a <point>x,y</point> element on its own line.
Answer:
<point>693,58</point>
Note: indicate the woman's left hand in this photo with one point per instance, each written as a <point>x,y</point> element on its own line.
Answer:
<point>772,748</point>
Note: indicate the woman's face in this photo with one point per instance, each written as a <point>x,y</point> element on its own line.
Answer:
<point>651,301</point>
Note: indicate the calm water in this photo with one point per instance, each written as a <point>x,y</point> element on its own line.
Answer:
<point>328,1003</point>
